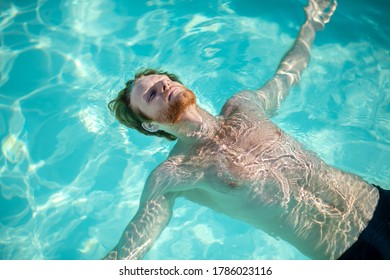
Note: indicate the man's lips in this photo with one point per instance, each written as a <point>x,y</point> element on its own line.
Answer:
<point>171,91</point>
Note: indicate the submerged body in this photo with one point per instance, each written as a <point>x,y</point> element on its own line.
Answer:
<point>267,179</point>
<point>241,164</point>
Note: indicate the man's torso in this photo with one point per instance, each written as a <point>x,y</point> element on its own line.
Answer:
<point>252,171</point>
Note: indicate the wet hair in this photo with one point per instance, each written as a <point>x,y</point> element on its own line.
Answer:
<point>125,114</point>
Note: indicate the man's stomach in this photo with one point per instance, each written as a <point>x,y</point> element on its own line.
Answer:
<point>321,217</point>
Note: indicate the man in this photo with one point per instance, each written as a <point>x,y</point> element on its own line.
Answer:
<point>241,164</point>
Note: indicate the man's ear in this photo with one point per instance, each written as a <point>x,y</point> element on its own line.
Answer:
<point>151,127</point>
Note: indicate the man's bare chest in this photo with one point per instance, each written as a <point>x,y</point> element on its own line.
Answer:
<point>237,154</point>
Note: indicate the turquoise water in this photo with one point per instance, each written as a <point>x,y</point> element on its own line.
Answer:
<point>71,176</point>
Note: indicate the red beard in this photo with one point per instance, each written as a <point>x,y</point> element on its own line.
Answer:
<point>178,107</point>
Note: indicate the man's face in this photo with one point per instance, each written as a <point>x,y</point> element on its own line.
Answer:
<point>160,98</point>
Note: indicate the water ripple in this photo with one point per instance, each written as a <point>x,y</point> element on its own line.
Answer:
<point>71,177</point>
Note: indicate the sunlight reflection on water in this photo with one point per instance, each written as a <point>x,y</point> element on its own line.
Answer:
<point>71,176</point>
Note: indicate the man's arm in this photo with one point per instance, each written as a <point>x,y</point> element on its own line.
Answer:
<point>143,230</point>
<point>152,217</point>
<point>318,13</point>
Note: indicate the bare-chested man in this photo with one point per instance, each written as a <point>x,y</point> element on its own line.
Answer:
<point>241,164</point>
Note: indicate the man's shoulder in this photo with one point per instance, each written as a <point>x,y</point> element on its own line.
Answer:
<point>168,169</point>
<point>245,101</point>
<point>160,180</point>
<point>172,162</point>
<point>172,175</point>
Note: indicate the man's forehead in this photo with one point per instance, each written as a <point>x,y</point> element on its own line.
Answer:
<point>149,78</point>
<point>144,82</point>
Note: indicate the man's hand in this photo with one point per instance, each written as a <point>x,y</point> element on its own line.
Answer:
<point>319,12</point>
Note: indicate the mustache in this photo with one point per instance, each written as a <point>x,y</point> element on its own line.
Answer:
<point>177,109</point>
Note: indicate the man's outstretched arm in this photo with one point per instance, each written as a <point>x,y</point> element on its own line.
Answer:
<point>318,13</point>
<point>152,217</point>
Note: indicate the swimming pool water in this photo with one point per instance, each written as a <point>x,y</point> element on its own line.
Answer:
<point>71,176</point>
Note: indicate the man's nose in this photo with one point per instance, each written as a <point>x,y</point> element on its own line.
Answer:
<point>165,84</point>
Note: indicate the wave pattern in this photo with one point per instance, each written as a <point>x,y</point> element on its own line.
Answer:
<point>70,176</point>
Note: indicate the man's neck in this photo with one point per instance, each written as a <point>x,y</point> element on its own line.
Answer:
<point>194,126</point>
